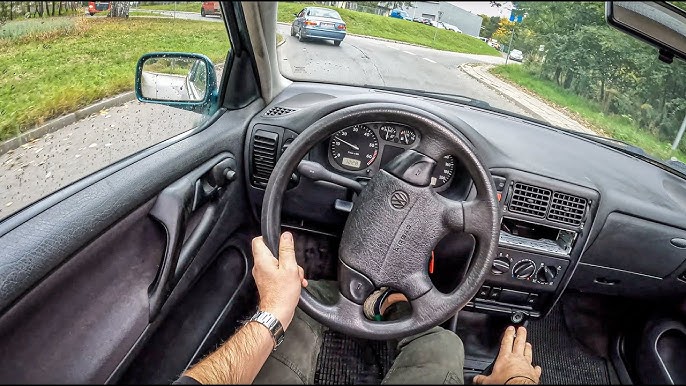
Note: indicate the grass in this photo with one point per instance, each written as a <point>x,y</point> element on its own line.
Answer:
<point>18,28</point>
<point>49,73</point>
<point>614,126</point>
<point>396,29</point>
<point>183,6</point>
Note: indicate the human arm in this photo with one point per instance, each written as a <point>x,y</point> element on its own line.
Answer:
<point>514,363</point>
<point>278,282</point>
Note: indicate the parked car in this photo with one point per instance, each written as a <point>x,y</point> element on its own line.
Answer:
<point>422,20</point>
<point>97,6</point>
<point>494,43</point>
<point>485,40</point>
<point>516,55</point>
<point>319,23</point>
<point>210,8</point>
<point>449,27</point>
<point>400,14</point>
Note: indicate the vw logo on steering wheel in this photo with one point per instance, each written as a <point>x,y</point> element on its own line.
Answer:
<point>399,199</point>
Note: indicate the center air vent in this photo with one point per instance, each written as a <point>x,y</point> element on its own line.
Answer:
<point>530,200</point>
<point>567,209</point>
<point>277,111</point>
<point>264,150</point>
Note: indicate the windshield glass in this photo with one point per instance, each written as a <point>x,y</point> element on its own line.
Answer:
<point>556,62</point>
<point>320,12</point>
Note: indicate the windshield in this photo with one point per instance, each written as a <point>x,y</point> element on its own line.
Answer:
<point>321,12</point>
<point>556,62</point>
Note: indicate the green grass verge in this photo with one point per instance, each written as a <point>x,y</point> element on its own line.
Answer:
<point>49,74</point>
<point>396,29</point>
<point>18,28</point>
<point>614,126</point>
<point>183,6</point>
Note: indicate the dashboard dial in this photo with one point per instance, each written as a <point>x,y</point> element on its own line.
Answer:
<point>443,172</point>
<point>388,133</point>
<point>354,148</point>
<point>407,136</point>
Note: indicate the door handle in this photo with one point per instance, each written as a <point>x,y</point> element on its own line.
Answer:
<point>173,208</point>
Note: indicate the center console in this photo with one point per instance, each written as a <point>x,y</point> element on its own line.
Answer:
<point>544,226</point>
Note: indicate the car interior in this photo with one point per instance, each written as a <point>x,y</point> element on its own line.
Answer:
<point>481,218</point>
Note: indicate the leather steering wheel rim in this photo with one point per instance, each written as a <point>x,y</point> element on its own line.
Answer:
<point>404,236</point>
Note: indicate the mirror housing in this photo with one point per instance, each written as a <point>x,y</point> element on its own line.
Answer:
<point>655,22</point>
<point>177,79</point>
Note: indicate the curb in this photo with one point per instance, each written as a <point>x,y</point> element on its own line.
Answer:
<point>282,41</point>
<point>65,120</point>
<point>511,99</point>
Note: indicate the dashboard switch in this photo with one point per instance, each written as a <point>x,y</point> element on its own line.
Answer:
<point>546,274</point>
<point>494,294</point>
<point>524,269</point>
<point>483,292</point>
<point>499,183</point>
<point>500,266</point>
<point>532,299</point>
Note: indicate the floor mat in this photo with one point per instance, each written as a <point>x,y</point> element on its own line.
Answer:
<point>563,359</point>
<point>345,360</point>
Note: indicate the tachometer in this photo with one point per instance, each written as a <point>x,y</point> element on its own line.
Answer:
<point>354,148</point>
<point>443,172</point>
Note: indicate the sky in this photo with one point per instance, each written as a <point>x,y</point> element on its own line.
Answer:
<point>484,7</point>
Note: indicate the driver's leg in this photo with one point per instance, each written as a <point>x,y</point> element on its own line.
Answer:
<point>432,357</point>
<point>295,361</point>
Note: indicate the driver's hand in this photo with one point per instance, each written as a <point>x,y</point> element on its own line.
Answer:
<point>278,281</point>
<point>513,364</point>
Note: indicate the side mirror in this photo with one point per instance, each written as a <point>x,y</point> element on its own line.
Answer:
<point>183,80</point>
<point>657,22</point>
<point>295,14</point>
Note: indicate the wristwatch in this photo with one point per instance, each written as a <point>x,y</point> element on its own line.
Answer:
<point>272,323</point>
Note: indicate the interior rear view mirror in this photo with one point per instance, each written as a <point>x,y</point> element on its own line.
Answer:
<point>182,80</point>
<point>657,22</point>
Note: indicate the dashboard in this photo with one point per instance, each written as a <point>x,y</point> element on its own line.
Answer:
<point>575,214</point>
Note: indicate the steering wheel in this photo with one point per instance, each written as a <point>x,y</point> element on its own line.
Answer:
<point>395,223</point>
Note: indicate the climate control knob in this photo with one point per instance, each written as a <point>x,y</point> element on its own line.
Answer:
<point>546,274</point>
<point>524,269</point>
<point>500,266</point>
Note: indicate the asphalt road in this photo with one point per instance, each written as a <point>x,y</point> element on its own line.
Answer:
<point>367,61</point>
<point>58,159</point>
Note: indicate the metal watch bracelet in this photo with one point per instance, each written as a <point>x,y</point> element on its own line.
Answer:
<point>272,323</point>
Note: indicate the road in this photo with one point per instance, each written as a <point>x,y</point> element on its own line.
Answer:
<point>58,159</point>
<point>361,61</point>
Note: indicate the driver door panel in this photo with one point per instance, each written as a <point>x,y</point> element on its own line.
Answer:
<point>78,279</point>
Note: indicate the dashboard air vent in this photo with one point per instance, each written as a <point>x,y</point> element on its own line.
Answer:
<point>264,150</point>
<point>567,209</point>
<point>530,200</point>
<point>278,111</point>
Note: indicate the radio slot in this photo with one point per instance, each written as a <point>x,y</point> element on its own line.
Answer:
<point>536,237</point>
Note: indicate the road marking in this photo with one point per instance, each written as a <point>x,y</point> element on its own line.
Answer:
<point>411,53</point>
<point>429,60</point>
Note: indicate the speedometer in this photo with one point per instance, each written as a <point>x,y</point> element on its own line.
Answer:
<point>354,148</point>
<point>443,171</point>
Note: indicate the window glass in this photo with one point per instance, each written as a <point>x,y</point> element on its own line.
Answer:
<point>67,107</point>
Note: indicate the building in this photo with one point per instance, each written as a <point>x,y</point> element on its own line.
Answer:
<point>466,21</point>
<point>382,8</point>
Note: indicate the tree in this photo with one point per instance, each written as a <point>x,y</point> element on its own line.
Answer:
<point>119,9</point>
<point>490,25</point>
